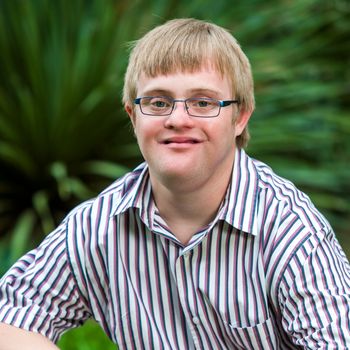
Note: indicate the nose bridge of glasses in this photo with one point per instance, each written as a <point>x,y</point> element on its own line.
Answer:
<point>184,101</point>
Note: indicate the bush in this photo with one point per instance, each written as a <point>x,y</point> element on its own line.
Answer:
<point>88,337</point>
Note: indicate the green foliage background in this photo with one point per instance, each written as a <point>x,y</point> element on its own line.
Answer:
<point>64,134</point>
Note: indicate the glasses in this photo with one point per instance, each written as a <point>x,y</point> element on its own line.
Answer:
<point>195,107</point>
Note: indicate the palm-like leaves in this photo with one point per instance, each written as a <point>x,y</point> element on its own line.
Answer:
<point>63,132</point>
<point>62,129</point>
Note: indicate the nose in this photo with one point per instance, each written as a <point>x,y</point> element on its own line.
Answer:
<point>179,118</point>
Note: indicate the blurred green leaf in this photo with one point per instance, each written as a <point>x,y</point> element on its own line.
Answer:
<point>21,235</point>
<point>106,169</point>
<point>88,337</point>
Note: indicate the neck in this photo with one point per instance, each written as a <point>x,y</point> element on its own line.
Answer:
<point>187,209</point>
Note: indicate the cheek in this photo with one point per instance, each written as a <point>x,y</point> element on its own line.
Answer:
<point>229,129</point>
<point>143,132</point>
<point>220,130</point>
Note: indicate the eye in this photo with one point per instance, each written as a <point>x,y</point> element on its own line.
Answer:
<point>160,102</point>
<point>203,103</point>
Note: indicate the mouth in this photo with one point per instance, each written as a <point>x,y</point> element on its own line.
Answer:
<point>180,140</point>
<point>168,142</point>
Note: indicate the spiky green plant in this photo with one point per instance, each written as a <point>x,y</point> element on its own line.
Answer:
<point>63,134</point>
<point>301,126</point>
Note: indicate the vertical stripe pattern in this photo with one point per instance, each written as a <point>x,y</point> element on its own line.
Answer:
<point>268,273</point>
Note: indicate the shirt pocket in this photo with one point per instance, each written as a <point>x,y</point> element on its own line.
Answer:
<point>261,336</point>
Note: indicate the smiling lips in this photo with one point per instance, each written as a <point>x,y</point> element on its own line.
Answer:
<point>180,141</point>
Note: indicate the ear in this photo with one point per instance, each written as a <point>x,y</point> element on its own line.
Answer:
<point>242,121</point>
<point>131,113</point>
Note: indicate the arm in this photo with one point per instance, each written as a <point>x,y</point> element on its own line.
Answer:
<point>39,293</point>
<point>12,338</point>
<point>316,306</point>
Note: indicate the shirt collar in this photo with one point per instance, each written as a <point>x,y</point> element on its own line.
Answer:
<point>239,208</point>
<point>138,194</point>
<point>240,205</point>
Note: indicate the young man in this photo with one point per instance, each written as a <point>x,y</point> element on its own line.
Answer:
<point>200,247</point>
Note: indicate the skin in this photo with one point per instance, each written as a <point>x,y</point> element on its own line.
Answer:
<point>12,338</point>
<point>190,159</point>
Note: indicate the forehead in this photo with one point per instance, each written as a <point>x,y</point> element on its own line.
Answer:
<point>183,83</point>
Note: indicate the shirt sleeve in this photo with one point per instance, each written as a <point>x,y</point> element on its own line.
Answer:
<point>315,295</point>
<point>39,293</point>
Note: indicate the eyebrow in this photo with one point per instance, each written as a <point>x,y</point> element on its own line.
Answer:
<point>165,92</point>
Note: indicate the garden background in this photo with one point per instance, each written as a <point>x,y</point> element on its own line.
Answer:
<point>64,135</point>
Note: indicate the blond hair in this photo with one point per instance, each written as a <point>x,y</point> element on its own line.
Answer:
<point>185,45</point>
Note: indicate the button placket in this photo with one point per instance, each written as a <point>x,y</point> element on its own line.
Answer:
<point>186,292</point>
<point>196,320</point>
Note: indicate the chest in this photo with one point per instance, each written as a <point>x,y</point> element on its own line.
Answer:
<point>213,292</point>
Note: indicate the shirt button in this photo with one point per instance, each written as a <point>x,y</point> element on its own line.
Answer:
<point>196,320</point>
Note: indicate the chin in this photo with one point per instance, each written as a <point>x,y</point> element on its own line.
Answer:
<point>175,173</point>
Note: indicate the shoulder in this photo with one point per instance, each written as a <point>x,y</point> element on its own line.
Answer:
<point>91,232</point>
<point>89,224</point>
<point>293,203</point>
<point>105,202</point>
<point>291,226</point>
<point>282,188</point>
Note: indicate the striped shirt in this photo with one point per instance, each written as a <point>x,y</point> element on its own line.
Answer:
<point>267,273</point>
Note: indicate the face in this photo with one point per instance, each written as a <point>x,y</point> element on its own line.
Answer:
<point>184,151</point>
